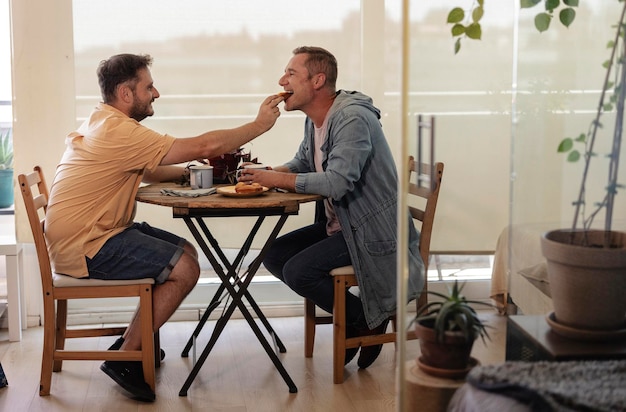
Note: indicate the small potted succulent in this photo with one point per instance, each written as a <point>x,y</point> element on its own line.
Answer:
<point>446,329</point>
<point>6,168</point>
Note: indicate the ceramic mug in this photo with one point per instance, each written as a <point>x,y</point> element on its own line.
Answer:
<point>251,166</point>
<point>201,177</point>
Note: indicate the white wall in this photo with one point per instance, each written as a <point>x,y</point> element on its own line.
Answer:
<point>43,103</point>
<point>43,88</point>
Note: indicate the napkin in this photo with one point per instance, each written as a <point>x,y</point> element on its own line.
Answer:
<point>189,192</point>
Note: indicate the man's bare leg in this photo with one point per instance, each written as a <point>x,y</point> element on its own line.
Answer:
<point>167,297</point>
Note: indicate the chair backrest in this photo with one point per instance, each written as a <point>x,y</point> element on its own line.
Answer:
<point>35,195</point>
<point>424,183</point>
<point>424,186</point>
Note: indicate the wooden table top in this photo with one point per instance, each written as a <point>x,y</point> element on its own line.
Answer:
<point>214,204</point>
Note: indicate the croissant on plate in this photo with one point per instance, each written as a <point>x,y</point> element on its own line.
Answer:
<point>242,187</point>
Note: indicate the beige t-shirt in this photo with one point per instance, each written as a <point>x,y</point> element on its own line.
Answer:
<point>332,223</point>
<point>92,197</point>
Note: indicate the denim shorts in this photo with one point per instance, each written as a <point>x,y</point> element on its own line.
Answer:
<point>141,251</point>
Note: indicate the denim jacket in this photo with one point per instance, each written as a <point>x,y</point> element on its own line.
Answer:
<point>361,179</point>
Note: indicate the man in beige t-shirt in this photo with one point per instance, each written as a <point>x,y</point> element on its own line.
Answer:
<point>89,221</point>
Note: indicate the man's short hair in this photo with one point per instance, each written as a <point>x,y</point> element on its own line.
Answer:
<point>320,60</point>
<point>119,69</point>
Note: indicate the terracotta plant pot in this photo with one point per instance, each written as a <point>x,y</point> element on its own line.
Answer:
<point>587,283</point>
<point>451,354</point>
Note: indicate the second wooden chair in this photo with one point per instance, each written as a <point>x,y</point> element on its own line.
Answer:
<point>425,188</point>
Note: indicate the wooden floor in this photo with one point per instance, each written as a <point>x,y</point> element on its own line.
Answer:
<point>238,376</point>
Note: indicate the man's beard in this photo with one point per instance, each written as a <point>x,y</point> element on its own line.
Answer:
<point>140,111</point>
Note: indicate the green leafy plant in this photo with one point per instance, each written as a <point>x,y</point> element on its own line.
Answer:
<point>6,150</point>
<point>565,8</point>
<point>462,28</point>
<point>466,24</point>
<point>453,313</point>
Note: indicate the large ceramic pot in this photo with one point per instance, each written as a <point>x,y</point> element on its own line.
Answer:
<point>451,354</point>
<point>6,187</point>
<point>587,283</point>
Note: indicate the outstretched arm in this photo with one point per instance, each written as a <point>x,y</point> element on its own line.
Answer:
<point>218,142</point>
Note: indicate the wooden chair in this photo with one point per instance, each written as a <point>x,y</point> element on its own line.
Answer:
<point>345,278</point>
<point>59,289</point>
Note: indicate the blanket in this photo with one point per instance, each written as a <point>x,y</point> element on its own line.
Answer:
<point>557,386</point>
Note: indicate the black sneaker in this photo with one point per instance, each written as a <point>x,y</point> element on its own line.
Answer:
<point>118,344</point>
<point>129,375</point>
<point>369,353</point>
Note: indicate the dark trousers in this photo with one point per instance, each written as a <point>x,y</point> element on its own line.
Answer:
<point>303,259</point>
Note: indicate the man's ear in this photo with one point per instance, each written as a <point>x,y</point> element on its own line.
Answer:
<point>320,81</point>
<point>124,93</point>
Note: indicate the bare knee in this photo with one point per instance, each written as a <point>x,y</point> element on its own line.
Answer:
<point>186,271</point>
<point>190,249</point>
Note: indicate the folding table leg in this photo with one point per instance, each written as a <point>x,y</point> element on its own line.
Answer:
<point>269,350</point>
<point>199,326</point>
<point>219,326</point>
<point>266,323</point>
<point>230,267</point>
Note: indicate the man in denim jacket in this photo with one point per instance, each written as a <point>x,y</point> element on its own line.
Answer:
<point>345,157</point>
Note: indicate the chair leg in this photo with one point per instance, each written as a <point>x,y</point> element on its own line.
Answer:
<point>61,328</point>
<point>309,327</point>
<point>394,327</point>
<point>49,339</point>
<point>147,335</point>
<point>339,329</point>
<point>422,299</point>
<point>157,349</point>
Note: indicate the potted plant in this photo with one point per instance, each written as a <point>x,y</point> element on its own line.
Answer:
<point>6,168</point>
<point>446,329</point>
<point>586,265</point>
<point>225,166</point>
